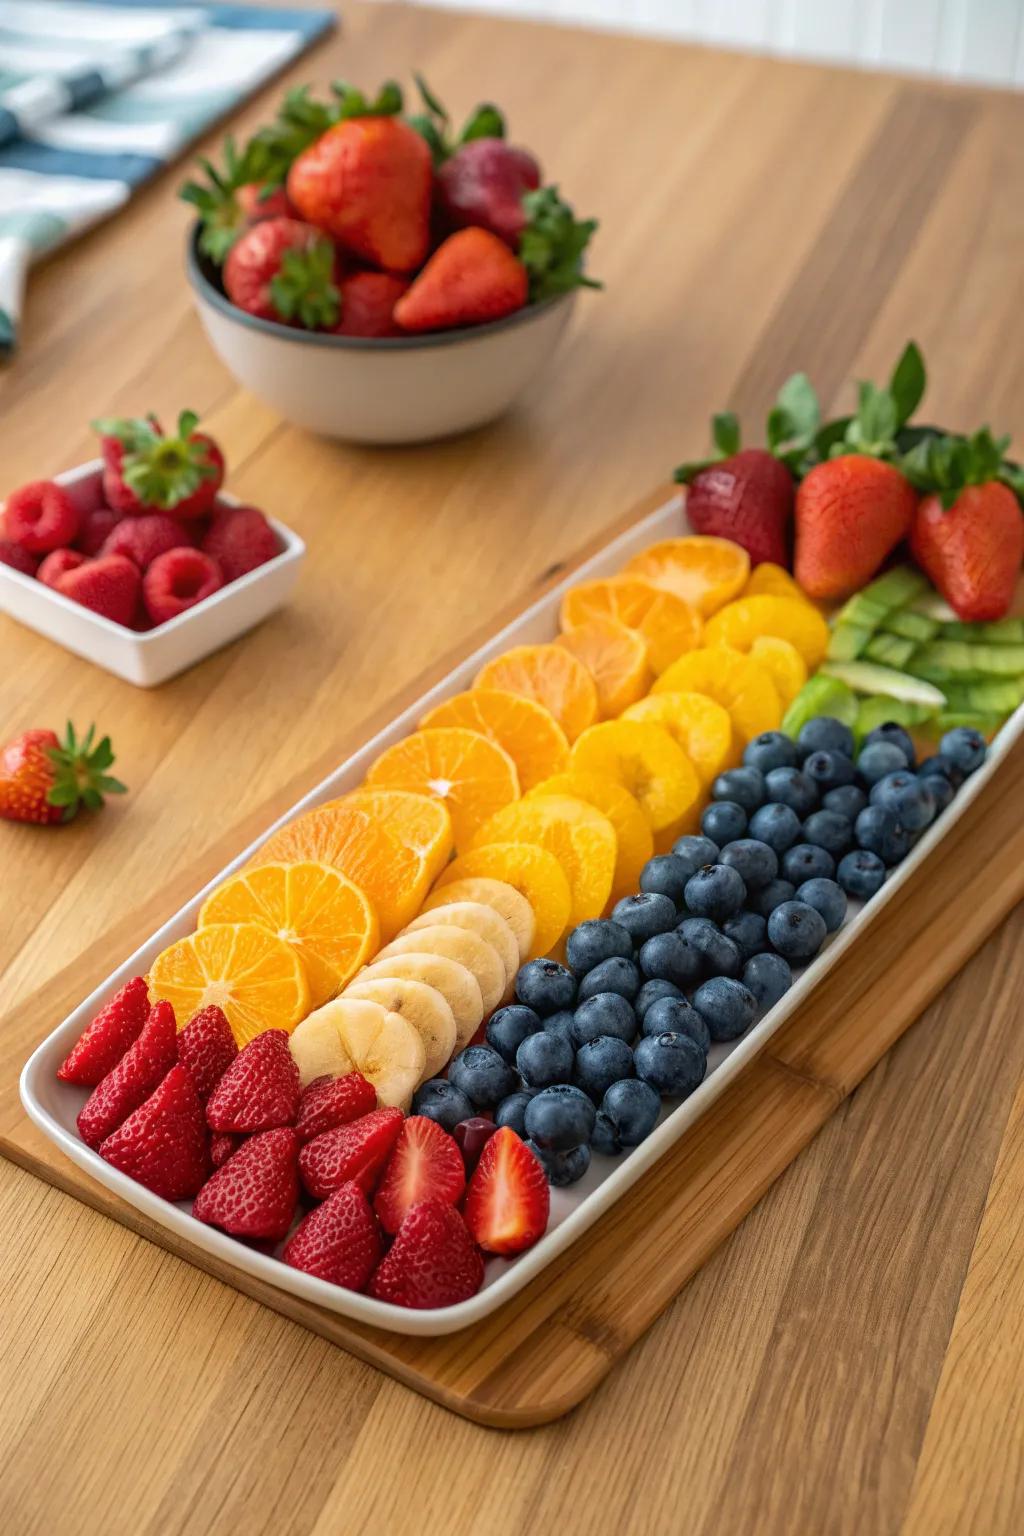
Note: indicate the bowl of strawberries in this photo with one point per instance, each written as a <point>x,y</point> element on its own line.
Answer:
<point>379,277</point>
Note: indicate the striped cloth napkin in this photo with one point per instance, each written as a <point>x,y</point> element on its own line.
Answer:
<point>96,96</point>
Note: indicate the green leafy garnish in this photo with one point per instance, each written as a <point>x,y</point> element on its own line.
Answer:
<point>80,774</point>
<point>552,245</point>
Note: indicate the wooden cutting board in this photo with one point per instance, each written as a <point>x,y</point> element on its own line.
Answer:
<point>548,1347</point>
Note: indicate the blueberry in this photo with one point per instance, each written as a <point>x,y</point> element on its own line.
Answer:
<point>666,875</point>
<point>796,930</point>
<point>791,787</point>
<point>562,1168</point>
<point>748,931</point>
<point>807,862</point>
<point>861,873</point>
<point>824,734</point>
<point>880,831</point>
<point>645,915</point>
<point>829,830</point>
<point>942,791</point>
<point>601,1062</point>
<point>614,975</point>
<point>649,993</point>
<point>744,786</point>
<point>768,977</point>
<point>721,955</point>
<point>631,1108</point>
<point>772,749</point>
<point>606,1014</point>
<point>560,1118</point>
<point>675,1016</point>
<point>945,767</point>
<point>596,940</point>
<point>895,736</point>
<point>605,1138</point>
<point>672,1064</point>
<point>545,1058</point>
<point>442,1102</point>
<point>716,891</point>
<point>829,770</point>
<point>764,901</point>
<point>508,1028</point>
<point>777,825</point>
<point>671,957</point>
<point>826,897</point>
<point>511,1112</point>
<point>694,852</point>
<point>848,800</point>
<point>727,1007</point>
<point>908,797</point>
<point>559,1023</point>
<point>545,986</point>
<point>484,1076</point>
<point>723,821</point>
<point>879,759</point>
<point>755,862</point>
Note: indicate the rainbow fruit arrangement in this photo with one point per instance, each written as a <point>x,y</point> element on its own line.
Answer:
<point>349,217</point>
<point>158,541</point>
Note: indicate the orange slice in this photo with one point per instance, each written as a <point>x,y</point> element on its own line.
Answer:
<point>616,658</point>
<point>740,623</point>
<point>704,571</point>
<point>772,580</point>
<point>668,625</point>
<point>550,676</point>
<point>743,687</point>
<point>696,723</point>
<point>581,839</point>
<point>257,978</point>
<point>531,870</point>
<point>469,772</point>
<point>529,733</point>
<point>634,843</point>
<point>783,662</point>
<point>314,908</point>
<point>416,821</point>
<point>645,760</point>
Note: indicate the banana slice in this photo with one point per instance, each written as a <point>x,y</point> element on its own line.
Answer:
<point>461,945</point>
<point>479,919</point>
<point>424,1006</point>
<point>509,903</point>
<point>456,983</point>
<point>356,1036</point>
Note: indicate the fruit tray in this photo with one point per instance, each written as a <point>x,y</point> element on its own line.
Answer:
<point>52,1106</point>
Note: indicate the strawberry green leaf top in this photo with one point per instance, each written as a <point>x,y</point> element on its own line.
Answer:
<point>216,203</point>
<point>304,289</point>
<point>946,463</point>
<point>161,471</point>
<point>790,431</point>
<point>434,124</point>
<point>881,413</point>
<point>551,246</point>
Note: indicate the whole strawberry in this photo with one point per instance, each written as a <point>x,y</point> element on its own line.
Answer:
<point>146,471</point>
<point>284,270</point>
<point>368,302</point>
<point>239,539</point>
<point>747,498</point>
<point>484,183</point>
<point>851,512</point>
<point>227,203</point>
<point>471,278</point>
<point>46,780</point>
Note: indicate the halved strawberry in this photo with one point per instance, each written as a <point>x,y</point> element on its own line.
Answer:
<point>103,1042</point>
<point>207,1047</point>
<point>138,1072</point>
<point>425,1164</point>
<point>163,1143</point>
<point>330,1101</point>
<point>508,1201</point>
<point>433,1261</point>
<point>338,1241</point>
<point>356,1152</point>
<point>259,1090</point>
<point>254,1194</point>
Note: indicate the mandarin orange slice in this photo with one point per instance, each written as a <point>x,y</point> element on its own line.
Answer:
<point>704,571</point>
<point>417,821</point>
<point>743,687</point>
<point>532,871</point>
<point>696,723</point>
<point>529,733</point>
<point>468,772</point>
<point>740,623</point>
<point>645,760</point>
<point>616,658</point>
<point>549,675</point>
<point>255,977</point>
<point>770,580</point>
<point>634,843</point>
<point>783,662</point>
<point>668,625</point>
<point>581,839</point>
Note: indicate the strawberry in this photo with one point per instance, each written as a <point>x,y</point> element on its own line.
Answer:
<point>94,529</point>
<point>224,1144</point>
<point>508,1200</point>
<point>147,1060</point>
<point>108,586</point>
<point>263,202</point>
<point>207,1047</point>
<point>53,566</point>
<point>472,277</point>
<point>284,270</point>
<point>356,1151</point>
<point>338,1241</point>
<point>46,780</point>
<point>40,516</point>
<point>260,1089</point>
<point>425,1164</point>
<point>239,539</point>
<point>484,183</point>
<point>177,580</point>
<point>254,1194</point>
<point>145,537</point>
<point>747,498</point>
<point>162,1144</point>
<point>17,558</point>
<point>851,512</point>
<point>105,1039</point>
<point>368,302</point>
<point>227,203</point>
<point>433,1261</point>
<point>330,1101</point>
<point>146,471</point>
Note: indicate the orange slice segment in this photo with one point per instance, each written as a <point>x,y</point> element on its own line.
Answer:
<point>581,839</point>
<point>616,658</point>
<point>255,977</point>
<point>704,571</point>
<point>634,843</point>
<point>529,733</point>
<point>772,580</point>
<point>468,772</point>
<point>669,625</point>
<point>743,687</point>
<point>549,675</point>
<point>783,662</point>
<point>740,623</point>
<point>696,723</point>
<point>416,821</point>
<point>531,870</point>
<point>645,760</point>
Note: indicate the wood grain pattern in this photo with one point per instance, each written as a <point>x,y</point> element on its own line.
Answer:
<point>804,1368</point>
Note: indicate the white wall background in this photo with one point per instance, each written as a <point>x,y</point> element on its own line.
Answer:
<point>974,40</point>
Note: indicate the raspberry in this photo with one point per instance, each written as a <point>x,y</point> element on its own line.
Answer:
<point>177,581</point>
<point>240,539</point>
<point>95,527</point>
<point>145,537</point>
<point>17,558</point>
<point>40,516</point>
<point>56,563</point>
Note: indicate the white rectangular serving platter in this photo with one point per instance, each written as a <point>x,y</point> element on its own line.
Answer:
<point>53,1105</point>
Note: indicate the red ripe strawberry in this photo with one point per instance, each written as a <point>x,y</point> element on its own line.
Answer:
<point>747,498</point>
<point>17,558</point>
<point>145,1063</point>
<point>45,780</point>
<point>284,270</point>
<point>40,516</point>
<point>109,587</point>
<point>95,528</point>
<point>330,1101</point>
<point>56,563</point>
<point>145,537</point>
<point>239,539</point>
<point>973,551</point>
<point>433,1261</point>
<point>260,1089</point>
<point>472,277</point>
<point>162,1144</point>
<point>207,1047</point>
<point>258,202</point>
<point>425,1164</point>
<point>850,513</point>
<point>339,1241</point>
<point>224,1144</point>
<point>254,1194</point>
<point>104,1041</point>
<point>508,1201</point>
<point>356,1151</point>
<point>146,471</point>
<point>177,581</point>
<point>368,302</point>
<point>483,183</point>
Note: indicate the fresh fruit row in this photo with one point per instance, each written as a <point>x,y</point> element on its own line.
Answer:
<point>153,541</point>
<point>350,217</point>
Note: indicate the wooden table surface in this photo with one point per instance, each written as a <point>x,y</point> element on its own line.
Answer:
<point>852,1359</point>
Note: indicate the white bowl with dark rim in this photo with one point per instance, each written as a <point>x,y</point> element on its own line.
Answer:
<point>405,389</point>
